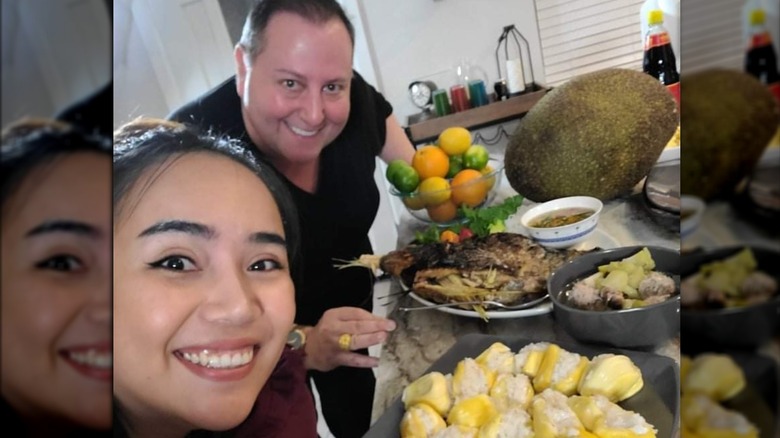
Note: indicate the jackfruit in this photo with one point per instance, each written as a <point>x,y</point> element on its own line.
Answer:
<point>685,368</point>
<point>457,431</point>
<point>421,421</point>
<point>585,138</point>
<point>498,357</point>
<point>728,119</point>
<point>614,376</point>
<point>511,391</point>
<point>471,378</point>
<point>560,370</point>
<point>472,412</point>
<point>515,422</point>
<point>706,418</point>
<point>430,389</point>
<point>553,418</point>
<point>528,359</point>
<point>606,419</point>
<point>714,375</point>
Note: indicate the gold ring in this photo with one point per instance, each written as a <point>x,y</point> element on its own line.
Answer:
<point>345,341</point>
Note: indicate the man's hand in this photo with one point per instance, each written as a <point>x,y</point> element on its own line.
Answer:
<point>323,352</point>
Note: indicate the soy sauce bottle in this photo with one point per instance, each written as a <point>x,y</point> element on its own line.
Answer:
<point>760,58</point>
<point>659,61</point>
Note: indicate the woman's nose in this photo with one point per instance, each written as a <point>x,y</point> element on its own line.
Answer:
<point>231,301</point>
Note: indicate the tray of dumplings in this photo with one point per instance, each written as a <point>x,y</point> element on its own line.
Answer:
<point>499,386</point>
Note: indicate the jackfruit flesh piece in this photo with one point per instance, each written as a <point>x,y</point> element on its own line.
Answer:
<point>515,422</point>
<point>615,377</point>
<point>560,370</point>
<point>685,368</point>
<point>706,418</point>
<point>553,418</point>
<point>498,358</point>
<point>421,421</point>
<point>457,431</point>
<point>528,359</point>
<point>715,375</point>
<point>470,378</point>
<point>472,412</point>
<point>606,419</point>
<point>430,389</point>
<point>512,391</point>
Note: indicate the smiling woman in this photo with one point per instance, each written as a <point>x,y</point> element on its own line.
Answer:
<point>56,312</point>
<point>205,239</point>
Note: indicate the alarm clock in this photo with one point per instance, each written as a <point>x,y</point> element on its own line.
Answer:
<point>421,93</point>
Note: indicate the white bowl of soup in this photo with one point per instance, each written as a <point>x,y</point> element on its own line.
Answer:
<point>563,222</point>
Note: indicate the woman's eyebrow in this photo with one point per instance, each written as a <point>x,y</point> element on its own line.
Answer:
<point>266,237</point>
<point>64,226</point>
<point>179,226</point>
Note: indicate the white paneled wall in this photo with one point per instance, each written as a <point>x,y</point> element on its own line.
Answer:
<point>582,36</point>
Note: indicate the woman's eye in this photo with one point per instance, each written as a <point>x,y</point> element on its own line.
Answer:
<point>174,263</point>
<point>265,265</point>
<point>63,263</point>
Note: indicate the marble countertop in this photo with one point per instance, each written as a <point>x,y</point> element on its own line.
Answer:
<point>424,336</point>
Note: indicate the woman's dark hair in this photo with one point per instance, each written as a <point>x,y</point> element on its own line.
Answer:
<point>31,143</point>
<point>315,11</point>
<point>147,144</point>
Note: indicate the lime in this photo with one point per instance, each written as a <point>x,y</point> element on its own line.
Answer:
<point>456,165</point>
<point>406,179</point>
<point>392,169</point>
<point>476,157</point>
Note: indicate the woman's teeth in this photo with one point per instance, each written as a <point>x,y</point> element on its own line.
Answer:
<point>92,358</point>
<point>220,360</point>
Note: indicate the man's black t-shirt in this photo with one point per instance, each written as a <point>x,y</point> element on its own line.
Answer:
<point>335,220</point>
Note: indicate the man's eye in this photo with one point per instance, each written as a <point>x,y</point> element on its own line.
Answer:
<point>290,84</point>
<point>174,263</point>
<point>333,88</point>
<point>62,262</point>
<point>265,265</point>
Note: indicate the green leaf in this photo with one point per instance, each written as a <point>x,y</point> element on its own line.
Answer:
<point>480,220</point>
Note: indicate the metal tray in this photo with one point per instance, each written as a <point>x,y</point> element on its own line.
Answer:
<point>658,401</point>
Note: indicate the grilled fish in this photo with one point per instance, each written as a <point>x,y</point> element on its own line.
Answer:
<point>505,267</point>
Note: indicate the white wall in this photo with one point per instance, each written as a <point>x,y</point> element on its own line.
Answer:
<point>414,39</point>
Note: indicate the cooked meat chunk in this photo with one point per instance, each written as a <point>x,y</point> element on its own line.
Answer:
<point>612,297</point>
<point>759,286</point>
<point>584,295</point>
<point>656,284</point>
<point>690,293</point>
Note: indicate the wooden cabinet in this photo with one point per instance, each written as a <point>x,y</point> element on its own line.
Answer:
<point>475,118</point>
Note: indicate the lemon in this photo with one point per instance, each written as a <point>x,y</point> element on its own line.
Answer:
<point>455,140</point>
<point>434,190</point>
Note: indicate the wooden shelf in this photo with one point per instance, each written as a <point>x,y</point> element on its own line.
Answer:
<point>475,118</point>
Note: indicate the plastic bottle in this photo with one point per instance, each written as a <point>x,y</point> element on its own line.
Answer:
<point>671,9</point>
<point>659,60</point>
<point>760,57</point>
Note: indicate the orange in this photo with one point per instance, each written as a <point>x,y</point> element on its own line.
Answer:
<point>444,212</point>
<point>468,188</point>
<point>434,190</point>
<point>430,161</point>
<point>455,140</point>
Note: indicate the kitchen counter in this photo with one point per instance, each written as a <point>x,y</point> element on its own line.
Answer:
<point>424,336</point>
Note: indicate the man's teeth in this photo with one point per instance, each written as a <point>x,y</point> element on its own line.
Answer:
<point>92,358</point>
<point>302,132</point>
<point>220,360</point>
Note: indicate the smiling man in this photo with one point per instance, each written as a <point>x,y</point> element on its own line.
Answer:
<point>297,100</point>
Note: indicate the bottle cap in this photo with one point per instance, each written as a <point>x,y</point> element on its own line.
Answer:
<point>757,16</point>
<point>655,16</point>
